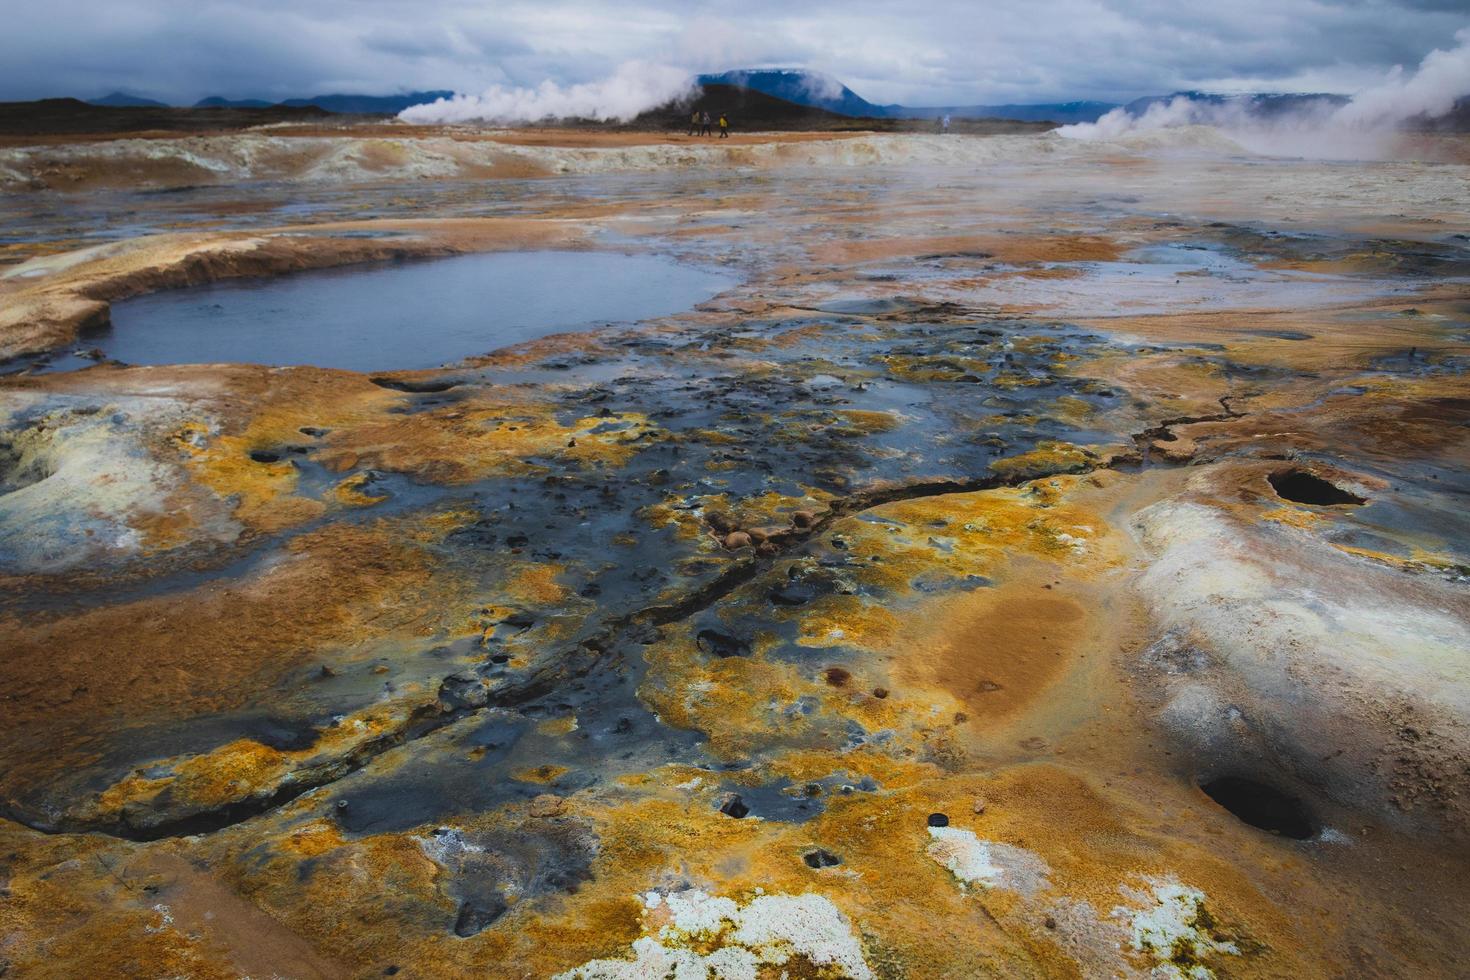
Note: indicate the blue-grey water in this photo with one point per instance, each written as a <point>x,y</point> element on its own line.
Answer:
<point>418,314</point>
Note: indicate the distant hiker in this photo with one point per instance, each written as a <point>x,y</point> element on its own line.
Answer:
<point>694,123</point>
<point>724,127</point>
<point>945,124</point>
<point>704,124</point>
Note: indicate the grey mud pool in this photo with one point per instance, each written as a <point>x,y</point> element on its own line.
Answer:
<point>883,557</point>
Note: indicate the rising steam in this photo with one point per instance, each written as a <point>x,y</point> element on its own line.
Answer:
<point>1365,126</point>
<point>635,87</point>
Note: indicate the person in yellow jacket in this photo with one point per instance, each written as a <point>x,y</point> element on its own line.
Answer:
<point>724,127</point>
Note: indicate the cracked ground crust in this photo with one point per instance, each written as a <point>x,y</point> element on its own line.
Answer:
<point>934,608</point>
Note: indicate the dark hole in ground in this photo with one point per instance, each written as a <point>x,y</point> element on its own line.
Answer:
<point>821,859</point>
<point>474,918</point>
<point>836,676</point>
<point>416,387</point>
<point>265,456</point>
<point>1262,805</point>
<point>1302,487</point>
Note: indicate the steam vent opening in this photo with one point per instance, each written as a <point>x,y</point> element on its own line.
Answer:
<point>1263,806</point>
<point>1302,487</point>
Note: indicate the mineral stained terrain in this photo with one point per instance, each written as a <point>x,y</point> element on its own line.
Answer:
<point>1050,560</point>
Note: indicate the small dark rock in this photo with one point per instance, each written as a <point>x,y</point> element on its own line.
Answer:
<point>721,644</point>
<point>734,806</point>
<point>520,619</point>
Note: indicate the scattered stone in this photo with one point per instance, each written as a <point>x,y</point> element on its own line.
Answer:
<point>463,690</point>
<point>978,807</point>
<point>836,676</point>
<point>804,518</point>
<point>1050,923</point>
<point>547,805</point>
<point>721,644</point>
<point>734,806</point>
<point>938,820</point>
<point>736,540</point>
<point>880,692</point>
<point>328,671</point>
<point>757,534</point>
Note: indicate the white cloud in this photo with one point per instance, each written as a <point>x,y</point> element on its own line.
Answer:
<point>1365,127</point>
<point>954,52</point>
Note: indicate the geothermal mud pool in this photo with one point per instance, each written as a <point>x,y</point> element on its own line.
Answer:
<point>984,557</point>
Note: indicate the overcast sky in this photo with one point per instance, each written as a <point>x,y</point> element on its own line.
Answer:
<point>938,52</point>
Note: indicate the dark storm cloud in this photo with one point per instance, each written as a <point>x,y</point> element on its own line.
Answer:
<point>949,52</point>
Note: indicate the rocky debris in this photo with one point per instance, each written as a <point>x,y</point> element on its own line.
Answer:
<point>464,690</point>
<point>547,805</point>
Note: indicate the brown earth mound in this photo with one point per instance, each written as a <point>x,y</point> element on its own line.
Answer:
<point>51,117</point>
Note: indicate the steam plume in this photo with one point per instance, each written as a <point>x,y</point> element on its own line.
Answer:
<point>1363,127</point>
<point>635,87</point>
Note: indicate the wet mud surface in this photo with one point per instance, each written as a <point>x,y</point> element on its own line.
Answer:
<point>1000,576</point>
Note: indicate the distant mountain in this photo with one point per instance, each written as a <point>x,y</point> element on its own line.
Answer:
<point>370,105</point>
<point>220,102</point>
<point>748,109</point>
<point>1259,103</point>
<point>801,87</point>
<point>363,105</point>
<point>1057,112</point>
<point>824,92</point>
<point>124,99</point>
